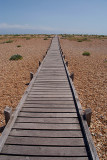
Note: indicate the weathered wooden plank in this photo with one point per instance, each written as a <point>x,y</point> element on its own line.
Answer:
<point>47,126</point>
<point>52,77</point>
<point>9,157</point>
<point>48,82</point>
<point>50,85</point>
<point>53,65</point>
<point>49,115</point>
<point>56,87</point>
<point>45,95</point>
<point>46,133</point>
<point>44,81</point>
<point>33,98</point>
<point>49,102</point>
<point>72,110</point>
<point>51,74</point>
<point>47,120</point>
<point>44,151</point>
<point>57,81</point>
<point>66,106</point>
<point>36,141</point>
<point>34,88</point>
<point>55,72</point>
<point>49,94</point>
<point>52,90</point>
<point>53,69</point>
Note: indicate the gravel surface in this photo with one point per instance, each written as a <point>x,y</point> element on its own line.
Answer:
<point>14,75</point>
<point>90,80</point>
<point>90,77</point>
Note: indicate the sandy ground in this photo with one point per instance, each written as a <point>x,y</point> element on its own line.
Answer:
<point>15,74</point>
<point>90,81</point>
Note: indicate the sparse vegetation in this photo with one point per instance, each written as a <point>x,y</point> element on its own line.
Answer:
<point>86,53</point>
<point>9,41</point>
<point>16,35</point>
<point>82,37</point>
<point>48,36</point>
<point>45,38</point>
<point>16,57</point>
<point>18,45</point>
<point>28,38</point>
<point>79,40</point>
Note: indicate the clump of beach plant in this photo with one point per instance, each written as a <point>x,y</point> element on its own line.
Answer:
<point>45,38</point>
<point>16,57</point>
<point>18,45</point>
<point>82,39</point>
<point>86,53</point>
<point>9,41</point>
<point>79,40</point>
<point>28,38</point>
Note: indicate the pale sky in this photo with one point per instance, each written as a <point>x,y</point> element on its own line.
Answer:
<point>53,16</point>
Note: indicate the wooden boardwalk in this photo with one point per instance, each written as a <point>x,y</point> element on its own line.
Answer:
<point>46,124</point>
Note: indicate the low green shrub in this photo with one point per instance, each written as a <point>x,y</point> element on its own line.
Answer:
<point>18,45</point>
<point>82,39</point>
<point>16,57</point>
<point>28,38</point>
<point>86,53</point>
<point>79,40</point>
<point>9,41</point>
<point>45,38</point>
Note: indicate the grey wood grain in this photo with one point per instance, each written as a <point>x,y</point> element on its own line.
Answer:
<point>44,151</point>
<point>73,110</point>
<point>46,133</point>
<point>49,115</point>
<point>65,106</point>
<point>47,126</point>
<point>33,98</point>
<point>47,120</point>
<point>9,157</point>
<point>37,141</point>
